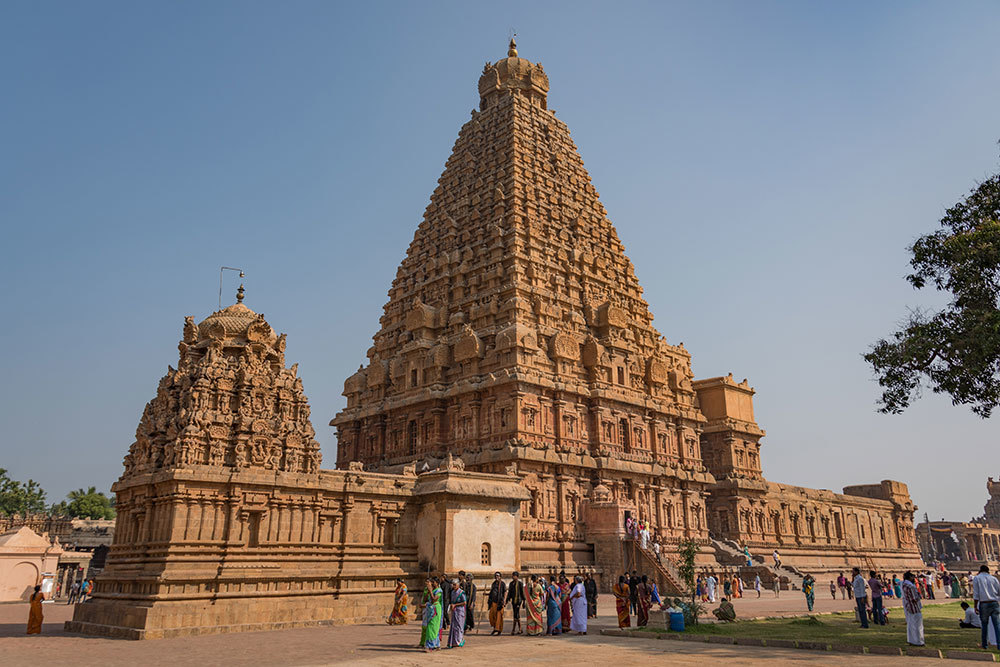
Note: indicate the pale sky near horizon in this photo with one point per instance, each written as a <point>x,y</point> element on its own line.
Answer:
<point>766,165</point>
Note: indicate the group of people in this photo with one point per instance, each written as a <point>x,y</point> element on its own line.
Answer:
<point>635,595</point>
<point>447,606</point>
<point>709,585</point>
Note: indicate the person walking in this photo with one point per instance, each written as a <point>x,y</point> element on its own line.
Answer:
<point>756,585</point>
<point>833,589</point>
<point>809,590</point>
<point>578,600</point>
<point>553,605</point>
<point>535,606</point>
<point>861,597</point>
<point>876,588</point>
<point>777,559</point>
<point>456,636</point>
<point>35,611</point>
<point>515,597</point>
<point>621,593</point>
<point>496,600</point>
<point>712,584</point>
<point>776,585</point>
<point>74,593</point>
<point>986,601</point>
<point>590,586</point>
<point>913,609</point>
<point>471,591</point>
<point>633,588</point>
<point>842,585</point>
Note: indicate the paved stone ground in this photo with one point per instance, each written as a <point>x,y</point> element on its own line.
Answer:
<point>395,646</point>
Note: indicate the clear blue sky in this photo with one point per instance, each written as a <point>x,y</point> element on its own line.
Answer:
<point>766,165</point>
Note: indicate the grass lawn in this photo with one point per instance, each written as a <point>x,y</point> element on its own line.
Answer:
<point>940,629</point>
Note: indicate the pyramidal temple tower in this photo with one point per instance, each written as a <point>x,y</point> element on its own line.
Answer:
<point>516,333</point>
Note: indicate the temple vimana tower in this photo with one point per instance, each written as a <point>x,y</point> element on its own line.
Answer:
<point>516,406</point>
<point>516,334</point>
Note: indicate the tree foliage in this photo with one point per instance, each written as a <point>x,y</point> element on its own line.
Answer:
<point>955,350</point>
<point>687,551</point>
<point>20,497</point>
<point>89,504</point>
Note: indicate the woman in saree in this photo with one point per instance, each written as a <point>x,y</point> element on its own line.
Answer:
<point>566,612</point>
<point>621,602</point>
<point>35,612</point>
<point>578,600</point>
<point>955,591</point>
<point>645,602</point>
<point>535,595</point>
<point>897,587</point>
<point>431,627</point>
<point>553,602</point>
<point>399,606</point>
<point>456,637</point>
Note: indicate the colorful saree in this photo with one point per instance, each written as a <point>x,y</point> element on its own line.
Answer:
<point>554,602</point>
<point>431,627</point>
<point>399,607</point>
<point>534,607</point>
<point>621,604</point>
<point>567,608</point>
<point>644,604</point>
<point>456,637</point>
<point>35,614</point>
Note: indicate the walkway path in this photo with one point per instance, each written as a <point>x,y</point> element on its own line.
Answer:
<point>384,645</point>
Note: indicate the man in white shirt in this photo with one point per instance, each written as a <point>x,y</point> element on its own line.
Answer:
<point>656,550</point>
<point>860,596</point>
<point>986,598</point>
<point>971,620</point>
<point>712,582</point>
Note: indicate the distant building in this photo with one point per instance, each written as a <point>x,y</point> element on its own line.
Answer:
<point>965,544</point>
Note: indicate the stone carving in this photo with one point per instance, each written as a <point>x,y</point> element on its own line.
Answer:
<point>229,402</point>
<point>516,256</point>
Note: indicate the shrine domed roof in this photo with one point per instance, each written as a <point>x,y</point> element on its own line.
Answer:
<point>514,72</point>
<point>236,321</point>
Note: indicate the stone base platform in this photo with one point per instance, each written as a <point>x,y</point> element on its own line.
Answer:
<point>162,620</point>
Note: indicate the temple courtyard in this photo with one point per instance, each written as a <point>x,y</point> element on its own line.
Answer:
<point>396,645</point>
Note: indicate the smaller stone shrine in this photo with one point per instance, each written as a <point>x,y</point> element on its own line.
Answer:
<point>226,522</point>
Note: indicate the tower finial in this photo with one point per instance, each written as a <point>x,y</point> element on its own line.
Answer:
<point>239,294</point>
<point>512,49</point>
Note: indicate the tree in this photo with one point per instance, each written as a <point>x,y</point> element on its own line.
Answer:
<point>687,551</point>
<point>955,350</point>
<point>89,504</point>
<point>20,497</point>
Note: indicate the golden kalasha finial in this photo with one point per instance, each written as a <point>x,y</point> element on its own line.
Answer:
<point>239,294</point>
<point>512,49</point>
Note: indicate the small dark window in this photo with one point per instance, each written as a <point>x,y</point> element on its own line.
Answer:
<point>487,556</point>
<point>413,377</point>
<point>412,436</point>
<point>621,375</point>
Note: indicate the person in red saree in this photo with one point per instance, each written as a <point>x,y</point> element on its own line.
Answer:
<point>645,602</point>
<point>399,607</point>
<point>35,611</point>
<point>567,608</point>
<point>621,593</point>
<point>535,594</point>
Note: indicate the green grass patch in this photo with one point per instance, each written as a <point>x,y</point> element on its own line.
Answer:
<point>940,629</point>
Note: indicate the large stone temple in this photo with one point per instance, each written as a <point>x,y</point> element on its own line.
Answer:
<point>516,406</point>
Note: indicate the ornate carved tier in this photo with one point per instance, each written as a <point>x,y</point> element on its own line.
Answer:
<point>230,402</point>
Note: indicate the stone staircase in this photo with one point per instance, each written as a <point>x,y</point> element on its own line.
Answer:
<point>644,560</point>
<point>729,553</point>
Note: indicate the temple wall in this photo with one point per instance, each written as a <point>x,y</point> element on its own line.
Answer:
<point>205,550</point>
<point>820,530</point>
